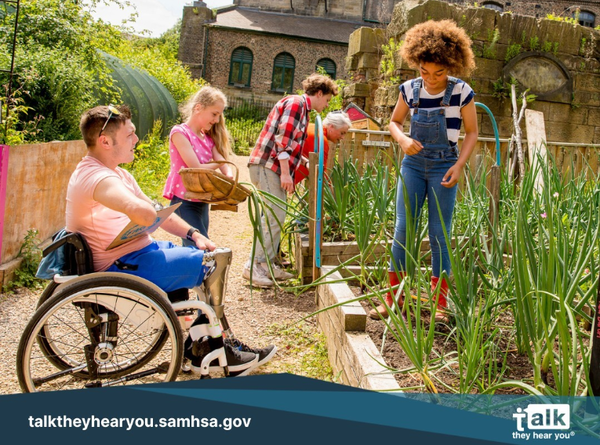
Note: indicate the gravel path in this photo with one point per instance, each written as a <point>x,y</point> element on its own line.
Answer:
<point>257,317</point>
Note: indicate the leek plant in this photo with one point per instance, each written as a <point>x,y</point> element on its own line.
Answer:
<point>556,241</point>
<point>479,361</point>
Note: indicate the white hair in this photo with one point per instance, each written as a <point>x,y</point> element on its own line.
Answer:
<point>337,119</point>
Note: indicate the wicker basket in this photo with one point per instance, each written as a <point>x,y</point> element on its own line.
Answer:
<point>212,186</point>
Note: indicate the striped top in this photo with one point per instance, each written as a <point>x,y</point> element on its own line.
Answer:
<point>461,96</point>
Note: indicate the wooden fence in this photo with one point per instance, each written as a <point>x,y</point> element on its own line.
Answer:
<point>37,176</point>
<point>368,147</point>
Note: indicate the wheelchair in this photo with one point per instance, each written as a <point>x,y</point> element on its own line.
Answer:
<point>99,329</point>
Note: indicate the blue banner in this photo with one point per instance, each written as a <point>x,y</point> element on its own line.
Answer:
<point>291,410</point>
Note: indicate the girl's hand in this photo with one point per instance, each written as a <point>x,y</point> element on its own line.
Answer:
<point>452,176</point>
<point>410,146</point>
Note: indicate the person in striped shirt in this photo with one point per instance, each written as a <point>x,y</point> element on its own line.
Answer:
<point>437,104</point>
<point>272,167</point>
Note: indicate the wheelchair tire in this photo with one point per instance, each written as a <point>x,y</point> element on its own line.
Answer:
<point>140,343</point>
<point>47,293</point>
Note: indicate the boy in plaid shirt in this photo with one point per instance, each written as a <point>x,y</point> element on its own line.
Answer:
<point>273,164</point>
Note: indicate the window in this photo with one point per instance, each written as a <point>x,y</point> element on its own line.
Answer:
<point>240,70</point>
<point>587,18</point>
<point>283,73</point>
<point>493,5</point>
<point>328,65</point>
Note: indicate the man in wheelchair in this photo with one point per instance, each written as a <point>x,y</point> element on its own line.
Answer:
<point>103,198</point>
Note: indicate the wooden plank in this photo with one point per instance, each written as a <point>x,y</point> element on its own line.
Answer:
<point>536,143</point>
<point>359,151</point>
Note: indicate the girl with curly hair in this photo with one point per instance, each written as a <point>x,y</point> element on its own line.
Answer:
<point>432,166</point>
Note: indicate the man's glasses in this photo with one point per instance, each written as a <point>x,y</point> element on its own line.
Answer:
<point>112,111</point>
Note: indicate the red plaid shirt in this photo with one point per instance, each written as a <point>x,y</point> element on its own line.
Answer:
<point>284,130</point>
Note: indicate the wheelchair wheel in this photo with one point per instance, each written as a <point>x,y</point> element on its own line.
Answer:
<point>100,331</point>
<point>47,293</point>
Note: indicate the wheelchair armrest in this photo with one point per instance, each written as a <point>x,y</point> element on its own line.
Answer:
<point>72,238</point>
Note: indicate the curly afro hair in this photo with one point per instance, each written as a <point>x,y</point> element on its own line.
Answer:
<point>441,42</point>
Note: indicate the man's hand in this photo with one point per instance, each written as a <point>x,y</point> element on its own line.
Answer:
<point>286,182</point>
<point>202,242</point>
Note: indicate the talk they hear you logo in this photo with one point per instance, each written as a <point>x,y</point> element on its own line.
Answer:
<point>543,417</point>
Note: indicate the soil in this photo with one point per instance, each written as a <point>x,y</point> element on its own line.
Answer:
<point>257,317</point>
<point>517,366</point>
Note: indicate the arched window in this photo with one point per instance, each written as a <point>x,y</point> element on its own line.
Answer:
<point>329,66</point>
<point>587,18</point>
<point>283,73</point>
<point>240,70</point>
<point>493,5</point>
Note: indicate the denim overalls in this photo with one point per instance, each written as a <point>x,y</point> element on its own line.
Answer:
<point>421,176</point>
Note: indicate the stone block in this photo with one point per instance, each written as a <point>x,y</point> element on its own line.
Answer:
<point>597,135</point>
<point>555,112</point>
<point>478,21</point>
<point>365,40</point>
<point>586,82</point>
<point>499,108</point>
<point>567,132</point>
<point>586,98</point>
<point>568,36</point>
<point>392,95</point>
<point>368,61</point>
<point>505,126</point>
<point>517,29</point>
<point>594,117</point>
<point>352,63</point>
<point>488,68</point>
<point>357,90</point>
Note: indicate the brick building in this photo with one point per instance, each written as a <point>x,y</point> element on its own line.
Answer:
<point>264,48</point>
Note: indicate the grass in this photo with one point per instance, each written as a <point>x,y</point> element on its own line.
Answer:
<point>304,351</point>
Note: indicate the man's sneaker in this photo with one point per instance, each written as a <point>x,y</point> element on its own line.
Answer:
<point>238,361</point>
<point>264,354</point>
<point>278,273</point>
<point>259,276</point>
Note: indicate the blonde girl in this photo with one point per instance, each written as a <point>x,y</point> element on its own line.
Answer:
<point>199,141</point>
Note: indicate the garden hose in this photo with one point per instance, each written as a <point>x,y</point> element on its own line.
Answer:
<point>319,148</point>
<point>495,126</point>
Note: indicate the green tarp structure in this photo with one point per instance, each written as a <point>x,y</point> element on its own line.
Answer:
<point>148,99</point>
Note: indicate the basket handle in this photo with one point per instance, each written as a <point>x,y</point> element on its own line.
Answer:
<point>237,175</point>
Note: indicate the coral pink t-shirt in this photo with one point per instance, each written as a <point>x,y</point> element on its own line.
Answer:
<point>98,224</point>
<point>202,148</point>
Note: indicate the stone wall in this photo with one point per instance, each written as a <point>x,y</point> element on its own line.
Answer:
<point>354,10</point>
<point>222,42</point>
<point>540,9</point>
<point>340,9</point>
<point>192,38</point>
<point>506,46</point>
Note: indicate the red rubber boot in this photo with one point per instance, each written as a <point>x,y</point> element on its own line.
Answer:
<point>441,315</point>
<point>382,310</point>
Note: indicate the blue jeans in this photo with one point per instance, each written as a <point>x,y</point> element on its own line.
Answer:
<point>193,213</point>
<point>168,266</point>
<point>421,176</point>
